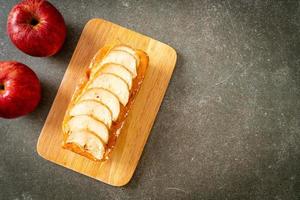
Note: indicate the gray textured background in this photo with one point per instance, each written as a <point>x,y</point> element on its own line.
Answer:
<point>229,125</point>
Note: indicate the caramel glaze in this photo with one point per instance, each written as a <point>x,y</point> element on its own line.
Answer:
<point>117,125</point>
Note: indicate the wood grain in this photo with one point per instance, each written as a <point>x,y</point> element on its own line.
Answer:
<point>119,169</point>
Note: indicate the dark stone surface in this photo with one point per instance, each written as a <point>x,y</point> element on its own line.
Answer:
<point>228,128</point>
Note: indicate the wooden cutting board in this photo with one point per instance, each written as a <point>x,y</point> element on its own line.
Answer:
<point>125,156</point>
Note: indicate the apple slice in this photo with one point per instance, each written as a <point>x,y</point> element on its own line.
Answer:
<point>122,58</point>
<point>105,97</point>
<point>128,50</point>
<point>118,70</point>
<point>88,142</point>
<point>114,84</point>
<point>84,122</point>
<point>92,108</point>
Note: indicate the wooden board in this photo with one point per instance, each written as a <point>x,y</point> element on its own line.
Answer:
<point>125,156</point>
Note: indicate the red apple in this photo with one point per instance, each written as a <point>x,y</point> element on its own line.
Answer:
<point>36,27</point>
<point>20,89</point>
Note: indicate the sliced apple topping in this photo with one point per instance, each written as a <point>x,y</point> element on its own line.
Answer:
<point>114,84</point>
<point>84,122</point>
<point>93,108</point>
<point>88,142</point>
<point>118,70</point>
<point>128,50</point>
<point>105,97</point>
<point>122,58</point>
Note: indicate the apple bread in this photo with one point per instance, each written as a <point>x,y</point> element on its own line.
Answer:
<point>101,102</point>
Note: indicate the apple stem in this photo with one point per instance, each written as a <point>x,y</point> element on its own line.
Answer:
<point>34,22</point>
<point>2,87</point>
